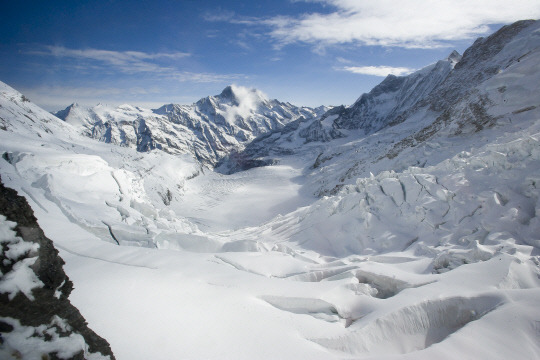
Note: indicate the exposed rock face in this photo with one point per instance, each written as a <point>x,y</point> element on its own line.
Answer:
<point>59,330</point>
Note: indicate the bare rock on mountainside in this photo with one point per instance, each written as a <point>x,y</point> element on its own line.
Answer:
<point>36,317</point>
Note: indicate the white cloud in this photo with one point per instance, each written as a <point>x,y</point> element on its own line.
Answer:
<point>125,61</point>
<point>219,15</point>
<point>129,62</point>
<point>205,77</point>
<point>378,70</point>
<point>343,60</point>
<point>405,23</point>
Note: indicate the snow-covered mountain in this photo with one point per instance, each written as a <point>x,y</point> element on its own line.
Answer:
<point>444,105</point>
<point>425,244</point>
<point>209,129</point>
<point>389,102</point>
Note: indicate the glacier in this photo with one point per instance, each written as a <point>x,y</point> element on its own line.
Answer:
<point>403,226</point>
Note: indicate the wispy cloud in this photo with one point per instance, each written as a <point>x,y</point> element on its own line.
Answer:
<point>219,15</point>
<point>378,70</point>
<point>407,23</point>
<point>125,61</point>
<point>206,77</point>
<point>131,62</point>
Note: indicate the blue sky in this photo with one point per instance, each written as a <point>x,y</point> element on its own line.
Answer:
<point>308,52</point>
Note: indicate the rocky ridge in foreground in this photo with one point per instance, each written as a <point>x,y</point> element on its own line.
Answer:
<point>37,319</point>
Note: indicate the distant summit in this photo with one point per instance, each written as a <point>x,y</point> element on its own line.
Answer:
<point>227,93</point>
<point>454,57</point>
<point>209,129</point>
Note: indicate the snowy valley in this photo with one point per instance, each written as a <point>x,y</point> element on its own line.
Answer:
<point>404,226</point>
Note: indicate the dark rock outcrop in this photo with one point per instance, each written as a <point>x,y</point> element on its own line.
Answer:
<point>51,299</point>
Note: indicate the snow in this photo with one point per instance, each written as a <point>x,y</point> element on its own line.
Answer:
<point>327,122</point>
<point>431,253</point>
<point>28,342</point>
<point>243,199</point>
<point>21,277</point>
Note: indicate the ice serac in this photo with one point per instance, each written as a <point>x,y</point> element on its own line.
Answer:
<point>209,129</point>
<point>36,318</point>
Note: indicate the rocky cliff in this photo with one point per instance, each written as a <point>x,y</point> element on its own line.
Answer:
<point>37,319</point>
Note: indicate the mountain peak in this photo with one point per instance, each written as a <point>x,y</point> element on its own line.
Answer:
<point>454,57</point>
<point>227,93</point>
<point>64,113</point>
<point>240,93</point>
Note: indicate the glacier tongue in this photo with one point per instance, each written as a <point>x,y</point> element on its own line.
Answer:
<point>424,241</point>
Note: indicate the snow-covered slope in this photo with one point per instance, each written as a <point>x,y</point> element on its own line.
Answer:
<point>208,129</point>
<point>389,101</point>
<point>443,105</point>
<point>435,254</point>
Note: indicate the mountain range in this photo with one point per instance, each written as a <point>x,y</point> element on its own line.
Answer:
<point>209,129</point>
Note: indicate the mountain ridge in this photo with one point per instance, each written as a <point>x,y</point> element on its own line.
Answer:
<point>208,129</point>
<point>402,113</point>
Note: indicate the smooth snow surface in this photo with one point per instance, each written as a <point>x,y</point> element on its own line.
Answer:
<point>249,198</point>
<point>431,253</point>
